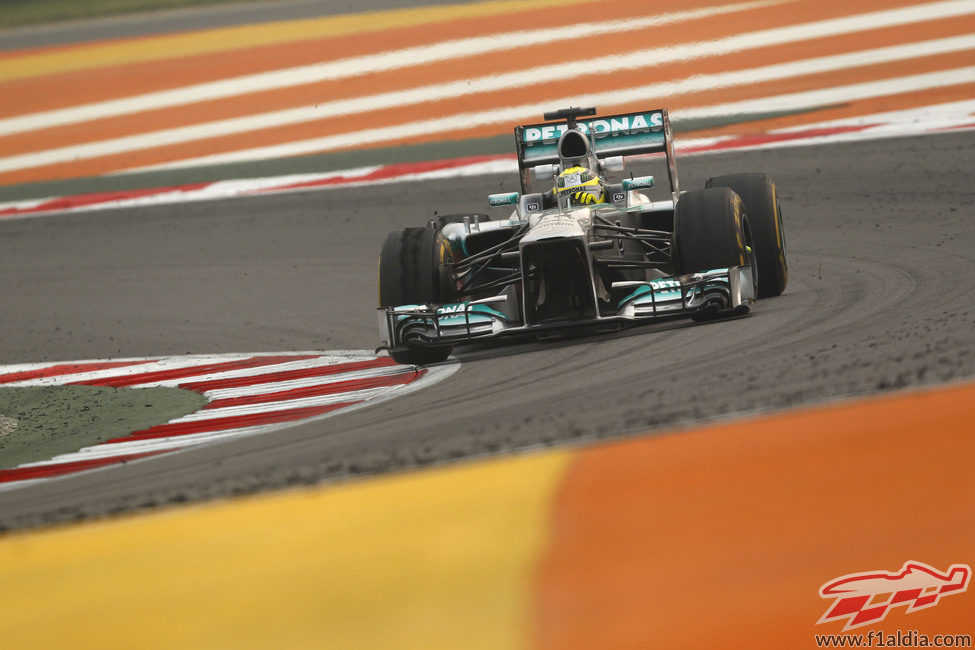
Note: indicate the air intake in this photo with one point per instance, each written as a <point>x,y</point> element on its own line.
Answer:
<point>573,144</point>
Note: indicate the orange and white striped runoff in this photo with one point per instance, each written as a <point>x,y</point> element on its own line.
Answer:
<point>455,72</point>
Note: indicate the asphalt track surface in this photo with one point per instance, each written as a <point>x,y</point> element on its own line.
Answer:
<point>880,297</point>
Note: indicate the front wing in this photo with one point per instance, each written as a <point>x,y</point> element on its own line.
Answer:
<point>730,289</point>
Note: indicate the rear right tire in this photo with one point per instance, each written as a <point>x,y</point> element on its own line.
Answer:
<point>758,193</point>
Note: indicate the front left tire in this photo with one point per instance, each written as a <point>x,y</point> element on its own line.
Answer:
<point>409,274</point>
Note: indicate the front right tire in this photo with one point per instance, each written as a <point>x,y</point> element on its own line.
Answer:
<point>709,231</point>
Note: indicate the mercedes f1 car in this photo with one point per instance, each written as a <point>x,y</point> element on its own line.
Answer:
<point>556,265</point>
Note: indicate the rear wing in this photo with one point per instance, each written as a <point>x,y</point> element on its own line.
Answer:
<point>626,134</point>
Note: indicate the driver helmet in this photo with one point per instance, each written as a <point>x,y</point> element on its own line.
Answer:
<point>580,186</point>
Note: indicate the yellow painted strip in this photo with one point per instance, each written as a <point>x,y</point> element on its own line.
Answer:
<point>439,559</point>
<point>85,57</point>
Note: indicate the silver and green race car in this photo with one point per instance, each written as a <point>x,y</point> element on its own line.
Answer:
<point>553,266</point>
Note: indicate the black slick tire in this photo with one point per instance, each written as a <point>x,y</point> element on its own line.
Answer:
<point>409,274</point>
<point>761,200</point>
<point>709,231</point>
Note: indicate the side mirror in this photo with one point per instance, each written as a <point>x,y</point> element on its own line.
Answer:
<point>545,172</point>
<point>505,198</point>
<point>613,164</point>
<point>638,183</point>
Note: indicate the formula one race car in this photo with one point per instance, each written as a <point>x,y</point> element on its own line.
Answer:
<point>585,252</point>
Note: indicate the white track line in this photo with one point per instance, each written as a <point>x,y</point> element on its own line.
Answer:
<point>354,66</point>
<point>935,116</point>
<point>828,96</point>
<point>321,362</point>
<point>293,384</point>
<point>914,121</point>
<point>123,371</point>
<point>111,450</point>
<point>614,63</point>
<point>283,405</point>
<point>513,114</point>
<point>156,364</point>
<point>30,367</point>
<point>630,61</point>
